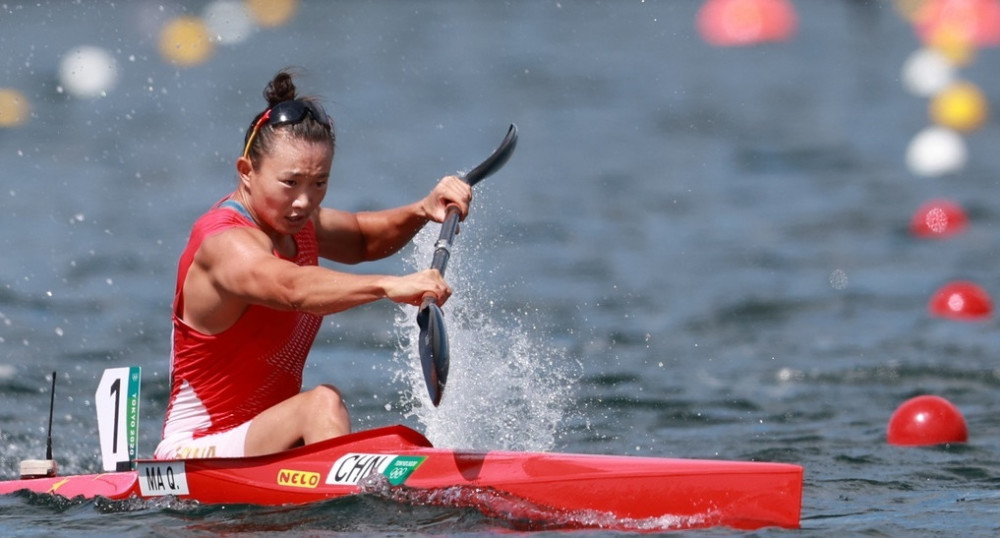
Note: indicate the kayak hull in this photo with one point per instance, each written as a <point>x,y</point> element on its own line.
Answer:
<point>551,488</point>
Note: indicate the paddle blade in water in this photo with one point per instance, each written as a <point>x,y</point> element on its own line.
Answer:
<point>433,346</point>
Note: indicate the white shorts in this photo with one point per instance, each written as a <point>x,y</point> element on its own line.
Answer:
<point>227,444</point>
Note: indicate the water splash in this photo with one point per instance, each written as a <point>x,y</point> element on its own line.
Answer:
<point>507,389</point>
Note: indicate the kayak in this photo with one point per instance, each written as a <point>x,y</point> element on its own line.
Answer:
<point>537,490</point>
<point>549,490</point>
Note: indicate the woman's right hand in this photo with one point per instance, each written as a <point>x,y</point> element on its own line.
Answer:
<point>412,288</point>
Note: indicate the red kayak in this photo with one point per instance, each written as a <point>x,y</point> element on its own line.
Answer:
<point>548,489</point>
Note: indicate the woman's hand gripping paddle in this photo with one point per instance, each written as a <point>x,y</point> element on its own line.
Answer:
<point>433,336</point>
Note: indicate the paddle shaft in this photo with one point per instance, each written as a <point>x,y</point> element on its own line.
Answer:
<point>442,249</point>
<point>449,226</point>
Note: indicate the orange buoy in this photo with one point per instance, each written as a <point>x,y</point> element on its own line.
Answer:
<point>926,420</point>
<point>271,13</point>
<point>14,108</point>
<point>185,41</point>
<point>938,218</point>
<point>961,300</point>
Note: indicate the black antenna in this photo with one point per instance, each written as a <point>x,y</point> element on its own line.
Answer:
<point>52,407</point>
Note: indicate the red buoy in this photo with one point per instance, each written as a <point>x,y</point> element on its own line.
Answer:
<point>734,23</point>
<point>938,219</point>
<point>926,420</point>
<point>966,22</point>
<point>961,300</point>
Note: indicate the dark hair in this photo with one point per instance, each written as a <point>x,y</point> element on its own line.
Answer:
<point>280,89</point>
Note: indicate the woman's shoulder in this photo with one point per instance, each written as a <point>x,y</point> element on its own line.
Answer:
<point>221,216</point>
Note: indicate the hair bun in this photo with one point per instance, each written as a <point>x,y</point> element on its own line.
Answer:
<point>281,88</point>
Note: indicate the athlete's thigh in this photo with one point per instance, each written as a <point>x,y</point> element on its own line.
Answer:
<point>278,427</point>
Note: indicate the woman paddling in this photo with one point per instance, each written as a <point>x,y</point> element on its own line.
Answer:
<point>250,296</point>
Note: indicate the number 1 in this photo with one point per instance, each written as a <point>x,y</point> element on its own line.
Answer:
<point>116,391</point>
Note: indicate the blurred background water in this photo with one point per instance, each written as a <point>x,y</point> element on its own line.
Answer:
<point>697,251</point>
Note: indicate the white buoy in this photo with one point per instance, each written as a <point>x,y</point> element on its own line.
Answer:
<point>936,151</point>
<point>229,21</point>
<point>88,72</point>
<point>926,72</point>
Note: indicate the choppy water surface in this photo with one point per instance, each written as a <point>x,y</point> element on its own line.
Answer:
<point>695,252</point>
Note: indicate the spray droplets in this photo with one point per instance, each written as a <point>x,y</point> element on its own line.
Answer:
<point>506,388</point>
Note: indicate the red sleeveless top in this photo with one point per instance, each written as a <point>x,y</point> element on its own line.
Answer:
<point>220,381</point>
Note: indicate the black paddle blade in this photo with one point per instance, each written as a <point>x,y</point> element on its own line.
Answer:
<point>433,346</point>
<point>496,160</point>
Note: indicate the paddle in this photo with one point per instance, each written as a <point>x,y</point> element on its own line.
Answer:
<point>433,340</point>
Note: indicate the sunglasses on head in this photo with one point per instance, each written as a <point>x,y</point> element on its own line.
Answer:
<point>288,113</point>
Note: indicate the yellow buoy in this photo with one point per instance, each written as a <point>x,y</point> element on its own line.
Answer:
<point>14,108</point>
<point>961,106</point>
<point>270,13</point>
<point>186,41</point>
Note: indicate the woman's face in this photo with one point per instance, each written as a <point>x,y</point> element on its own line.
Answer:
<point>288,184</point>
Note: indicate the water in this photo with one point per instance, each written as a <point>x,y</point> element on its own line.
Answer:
<point>695,252</point>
